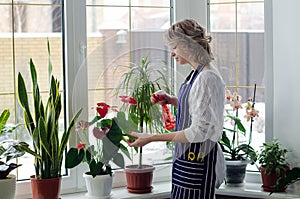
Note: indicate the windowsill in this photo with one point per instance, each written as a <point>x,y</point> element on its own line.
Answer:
<point>162,190</point>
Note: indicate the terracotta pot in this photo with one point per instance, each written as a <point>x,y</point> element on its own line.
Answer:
<point>45,188</point>
<point>98,187</point>
<point>235,171</point>
<point>139,180</point>
<point>8,187</point>
<point>269,181</point>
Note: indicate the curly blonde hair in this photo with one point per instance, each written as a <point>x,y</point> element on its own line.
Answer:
<point>193,37</point>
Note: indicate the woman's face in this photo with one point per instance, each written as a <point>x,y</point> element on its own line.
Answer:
<point>179,55</point>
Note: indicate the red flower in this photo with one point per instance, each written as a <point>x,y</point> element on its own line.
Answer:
<point>80,146</point>
<point>102,109</point>
<point>128,100</point>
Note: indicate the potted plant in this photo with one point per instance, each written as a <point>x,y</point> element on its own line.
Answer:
<point>291,176</point>
<point>237,153</point>
<point>7,152</point>
<point>272,158</point>
<point>98,147</point>
<point>42,123</point>
<point>140,82</point>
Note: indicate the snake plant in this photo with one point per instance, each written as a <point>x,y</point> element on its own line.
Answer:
<point>42,123</point>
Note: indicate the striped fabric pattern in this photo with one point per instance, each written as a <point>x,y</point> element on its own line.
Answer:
<point>193,173</point>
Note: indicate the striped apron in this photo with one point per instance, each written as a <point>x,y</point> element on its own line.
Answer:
<point>193,172</point>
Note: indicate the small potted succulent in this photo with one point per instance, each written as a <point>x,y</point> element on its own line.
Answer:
<point>273,161</point>
<point>101,139</point>
<point>8,152</point>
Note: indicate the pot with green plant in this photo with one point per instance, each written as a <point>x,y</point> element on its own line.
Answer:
<point>8,152</point>
<point>139,82</point>
<point>101,139</point>
<point>236,147</point>
<point>48,142</point>
<point>273,161</point>
<point>291,176</point>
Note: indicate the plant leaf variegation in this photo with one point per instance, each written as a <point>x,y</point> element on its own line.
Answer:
<point>42,123</point>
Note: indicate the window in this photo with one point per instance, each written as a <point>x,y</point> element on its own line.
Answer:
<point>117,32</point>
<point>121,33</point>
<point>237,28</point>
<point>24,30</point>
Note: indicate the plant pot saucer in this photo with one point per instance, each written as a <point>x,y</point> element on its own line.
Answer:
<point>98,197</point>
<point>147,190</point>
<point>270,189</point>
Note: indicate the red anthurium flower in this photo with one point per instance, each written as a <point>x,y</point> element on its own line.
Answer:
<point>100,133</point>
<point>128,100</point>
<point>102,109</point>
<point>80,146</point>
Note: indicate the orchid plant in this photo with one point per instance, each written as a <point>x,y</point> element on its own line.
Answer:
<point>102,144</point>
<point>235,149</point>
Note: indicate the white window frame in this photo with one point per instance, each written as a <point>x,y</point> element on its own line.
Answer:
<point>75,44</point>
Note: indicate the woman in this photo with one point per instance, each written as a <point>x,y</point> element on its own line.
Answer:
<point>199,120</point>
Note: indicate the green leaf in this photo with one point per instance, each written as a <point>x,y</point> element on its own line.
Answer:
<point>33,73</point>
<point>88,155</point>
<point>225,140</point>
<point>22,92</point>
<point>4,118</point>
<point>66,135</point>
<point>118,159</point>
<point>125,151</point>
<point>96,168</point>
<point>23,146</point>
<point>74,157</point>
<point>127,125</point>
<point>49,60</point>
<point>115,133</point>
<point>104,123</point>
<point>44,140</point>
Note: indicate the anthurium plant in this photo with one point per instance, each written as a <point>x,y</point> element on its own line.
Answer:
<point>7,146</point>
<point>232,147</point>
<point>102,139</point>
<point>42,123</point>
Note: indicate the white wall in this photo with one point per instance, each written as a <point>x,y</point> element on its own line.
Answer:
<point>286,73</point>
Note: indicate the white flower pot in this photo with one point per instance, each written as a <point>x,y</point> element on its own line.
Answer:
<point>8,187</point>
<point>98,187</point>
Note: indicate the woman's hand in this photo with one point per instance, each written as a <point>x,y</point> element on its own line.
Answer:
<point>141,139</point>
<point>162,98</point>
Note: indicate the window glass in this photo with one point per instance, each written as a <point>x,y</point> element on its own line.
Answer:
<point>122,35</point>
<point>108,2</point>
<point>44,2</point>
<point>237,28</point>
<point>25,28</point>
